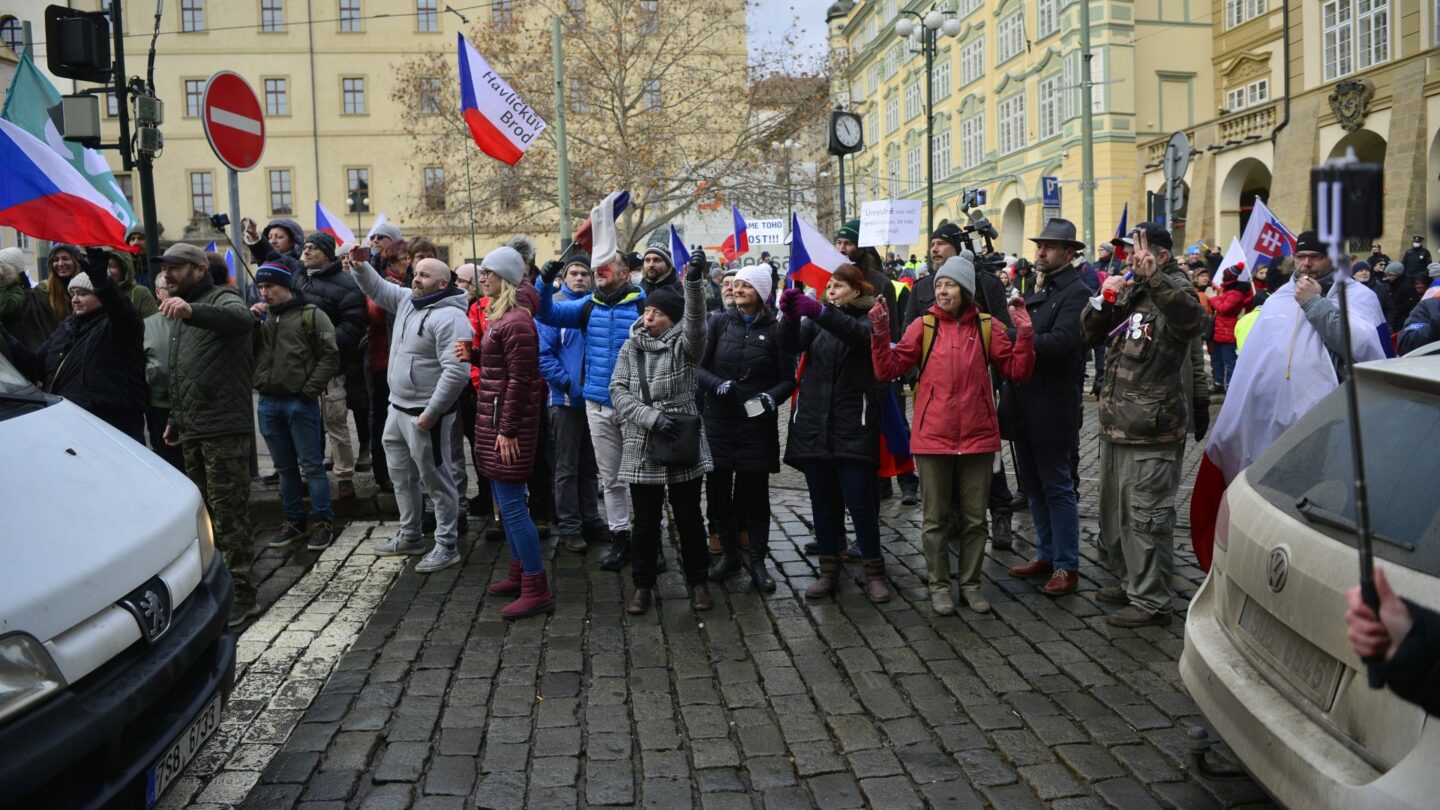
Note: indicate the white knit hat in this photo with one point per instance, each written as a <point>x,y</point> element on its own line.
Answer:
<point>12,262</point>
<point>757,276</point>
<point>80,281</point>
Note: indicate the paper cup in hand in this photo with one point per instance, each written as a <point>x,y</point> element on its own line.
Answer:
<point>754,407</point>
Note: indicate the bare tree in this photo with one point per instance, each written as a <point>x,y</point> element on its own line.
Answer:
<point>661,99</point>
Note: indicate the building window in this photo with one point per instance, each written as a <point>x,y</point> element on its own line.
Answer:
<point>23,242</point>
<point>192,15</point>
<point>11,34</point>
<point>1010,39</point>
<point>427,17</point>
<point>857,91</point>
<point>892,62</point>
<point>1047,18</point>
<point>430,96</point>
<point>942,78</point>
<point>1011,114</point>
<point>972,141</point>
<point>892,114</point>
<point>1242,11</point>
<point>872,122</point>
<point>353,95</point>
<point>202,193</point>
<point>502,12</point>
<point>579,96</point>
<point>434,188</point>
<point>875,77</point>
<point>277,97</point>
<point>650,95</point>
<point>912,99</point>
<point>972,61</point>
<point>127,188</point>
<point>112,105</point>
<point>281,200</point>
<point>349,15</point>
<point>194,91</point>
<point>968,7</point>
<point>1356,35</point>
<point>272,15</point>
<point>892,168</point>
<point>912,168</point>
<point>1097,82</point>
<point>1049,94</point>
<point>577,13</point>
<point>357,189</point>
<point>942,154</point>
<point>1252,94</point>
<point>649,16</point>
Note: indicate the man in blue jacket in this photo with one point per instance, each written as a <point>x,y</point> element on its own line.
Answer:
<point>603,318</point>
<point>562,362</point>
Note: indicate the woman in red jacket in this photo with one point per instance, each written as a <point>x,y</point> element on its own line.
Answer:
<point>507,424</point>
<point>956,432</point>
<point>1232,302</point>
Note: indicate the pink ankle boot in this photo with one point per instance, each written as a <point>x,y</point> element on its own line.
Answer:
<point>534,597</point>
<point>511,583</point>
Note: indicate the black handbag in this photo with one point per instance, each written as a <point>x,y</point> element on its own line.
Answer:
<point>681,451</point>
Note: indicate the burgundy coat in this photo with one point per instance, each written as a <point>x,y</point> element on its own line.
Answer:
<point>510,395</point>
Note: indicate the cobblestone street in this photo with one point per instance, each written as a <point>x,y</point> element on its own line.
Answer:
<point>367,685</point>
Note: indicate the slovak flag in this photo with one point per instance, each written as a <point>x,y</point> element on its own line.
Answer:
<point>502,124</point>
<point>326,222</point>
<point>812,257</point>
<point>679,254</point>
<point>42,196</point>
<point>1121,234</point>
<point>1266,239</point>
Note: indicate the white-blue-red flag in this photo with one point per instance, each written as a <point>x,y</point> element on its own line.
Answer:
<point>503,125</point>
<point>742,233</point>
<point>326,222</point>
<point>1266,239</point>
<point>42,196</point>
<point>812,257</point>
<point>597,233</point>
<point>679,254</point>
<point>211,248</point>
<point>230,262</point>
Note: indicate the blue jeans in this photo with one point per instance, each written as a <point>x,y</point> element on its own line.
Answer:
<point>834,487</point>
<point>1225,356</point>
<point>520,531</point>
<point>294,432</point>
<point>1046,472</point>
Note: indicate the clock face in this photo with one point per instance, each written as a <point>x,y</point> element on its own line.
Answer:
<point>847,130</point>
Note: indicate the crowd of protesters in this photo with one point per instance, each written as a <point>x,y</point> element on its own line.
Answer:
<point>623,381</point>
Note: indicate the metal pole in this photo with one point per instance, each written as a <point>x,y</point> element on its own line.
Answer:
<point>557,47</point>
<point>1169,214</point>
<point>1087,132</point>
<point>927,40</point>
<point>843,212</point>
<point>242,282</point>
<point>145,165</point>
<point>470,193</point>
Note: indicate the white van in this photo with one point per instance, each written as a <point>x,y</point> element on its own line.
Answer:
<point>115,656</point>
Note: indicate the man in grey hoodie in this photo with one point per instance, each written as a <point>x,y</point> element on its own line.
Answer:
<point>425,378</point>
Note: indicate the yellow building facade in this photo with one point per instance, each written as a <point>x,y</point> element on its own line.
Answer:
<point>1008,103</point>
<point>1299,83</point>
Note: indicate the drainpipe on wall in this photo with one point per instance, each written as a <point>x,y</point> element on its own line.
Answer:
<point>1285,57</point>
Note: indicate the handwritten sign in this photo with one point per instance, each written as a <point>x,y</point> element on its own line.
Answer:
<point>889,222</point>
<point>766,231</point>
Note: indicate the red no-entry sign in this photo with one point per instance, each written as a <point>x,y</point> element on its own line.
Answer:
<point>234,120</point>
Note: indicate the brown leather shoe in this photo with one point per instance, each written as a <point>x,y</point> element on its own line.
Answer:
<point>715,545</point>
<point>1133,616</point>
<point>346,491</point>
<point>1113,595</point>
<point>877,587</point>
<point>640,601</point>
<point>828,580</point>
<point>700,598</point>
<point>1061,582</point>
<point>1034,568</point>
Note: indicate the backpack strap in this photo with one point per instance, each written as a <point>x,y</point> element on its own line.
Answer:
<point>927,337</point>
<point>985,335</point>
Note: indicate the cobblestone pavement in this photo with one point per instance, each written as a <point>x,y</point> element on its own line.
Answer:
<point>765,701</point>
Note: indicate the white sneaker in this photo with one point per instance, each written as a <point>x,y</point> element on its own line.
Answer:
<point>438,558</point>
<point>396,547</point>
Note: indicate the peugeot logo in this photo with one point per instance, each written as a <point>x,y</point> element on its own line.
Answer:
<point>1278,570</point>
<point>154,612</point>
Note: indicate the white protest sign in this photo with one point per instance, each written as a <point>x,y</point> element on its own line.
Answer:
<point>766,231</point>
<point>889,222</point>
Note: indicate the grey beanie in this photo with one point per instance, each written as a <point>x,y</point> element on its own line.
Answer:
<point>961,270</point>
<point>661,251</point>
<point>506,263</point>
<point>525,246</point>
<point>389,229</point>
<point>1434,270</point>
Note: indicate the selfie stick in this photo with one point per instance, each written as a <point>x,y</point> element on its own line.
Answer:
<point>1329,228</point>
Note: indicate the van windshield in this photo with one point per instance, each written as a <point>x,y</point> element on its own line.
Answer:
<point>1309,472</point>
<point>11,380</point>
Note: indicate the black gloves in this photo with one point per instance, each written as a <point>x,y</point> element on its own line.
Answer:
<point>666,427</point>
<point>551,271</point>
<point>1202,417</point>
<point>695,270</point>
<point>97,265</point>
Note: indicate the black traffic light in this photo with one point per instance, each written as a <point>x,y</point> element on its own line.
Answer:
<point>78,44</point>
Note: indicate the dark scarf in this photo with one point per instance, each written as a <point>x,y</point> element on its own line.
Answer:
<point>424,301</point>
<point>610,299</point>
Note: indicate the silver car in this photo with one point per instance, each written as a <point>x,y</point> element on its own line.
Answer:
<point>1266,656</point>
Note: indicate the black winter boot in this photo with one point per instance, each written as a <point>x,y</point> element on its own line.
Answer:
<point>619,553</point>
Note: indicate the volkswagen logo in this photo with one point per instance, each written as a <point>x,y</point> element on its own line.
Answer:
<point>1278,569</point>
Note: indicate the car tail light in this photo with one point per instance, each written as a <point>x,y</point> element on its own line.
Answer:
<point>1222,525</point>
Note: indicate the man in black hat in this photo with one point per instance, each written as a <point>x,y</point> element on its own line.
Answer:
<point>990,298</point>
<point>1150,323</point>
<point>1042,415</point>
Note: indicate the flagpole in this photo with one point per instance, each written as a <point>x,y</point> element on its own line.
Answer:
<point>562,157</point>
<point>470,193</point>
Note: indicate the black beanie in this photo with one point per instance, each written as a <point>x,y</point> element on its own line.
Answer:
<point>669,301</point>
<point>323,242</point>
<point>950,232</point>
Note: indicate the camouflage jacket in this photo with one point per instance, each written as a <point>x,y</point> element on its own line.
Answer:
<point>1143,398</point>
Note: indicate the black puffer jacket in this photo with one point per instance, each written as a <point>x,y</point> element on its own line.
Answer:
<point>96,360</point>
<point>339,297</point>
<point>751,357</point>
<point>837,415</point>
<point>1046,408</point>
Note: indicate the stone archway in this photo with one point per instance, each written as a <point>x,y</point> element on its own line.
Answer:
<point>1012,228</point>
<point>1247,181</point>
<point>1369,146</point>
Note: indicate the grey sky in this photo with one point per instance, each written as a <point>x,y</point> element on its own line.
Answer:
<point>771,20</point>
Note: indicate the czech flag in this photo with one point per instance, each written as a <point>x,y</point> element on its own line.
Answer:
<point>229,261</point>
<point>210,248</point>
<point>742,236</point>
<point>679,254</point>
<point>585,236</point>
<point>502,124</point>
<point>1119,254</point>
<point>326,222</point>
<point>42,196</point>
<point>895,456</point>
<point>812,257</point>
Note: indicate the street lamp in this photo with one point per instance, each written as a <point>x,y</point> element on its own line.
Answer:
<point>359,202</point>
<point>928,28</point>
<point>788,146</point>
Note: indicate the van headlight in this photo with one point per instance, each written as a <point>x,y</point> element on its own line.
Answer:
<point>206,534</point>
<point>27,674</point>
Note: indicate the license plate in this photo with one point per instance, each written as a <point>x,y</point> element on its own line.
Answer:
<point>172,763</point>
<point>1305,666</point>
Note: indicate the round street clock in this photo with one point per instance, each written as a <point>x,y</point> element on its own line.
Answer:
<point>846,135</point>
